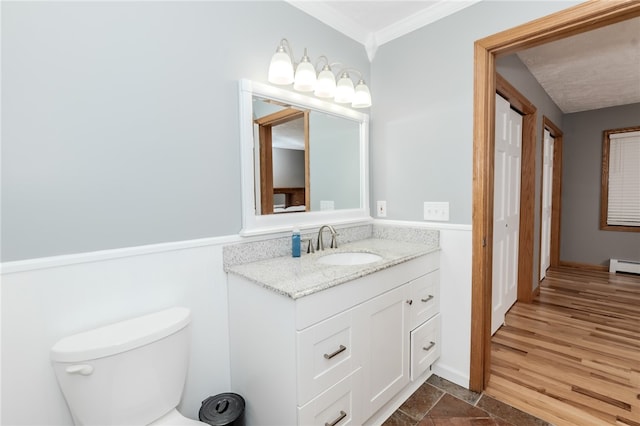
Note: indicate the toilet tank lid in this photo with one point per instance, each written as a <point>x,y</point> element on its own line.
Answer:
<point>121,336</point>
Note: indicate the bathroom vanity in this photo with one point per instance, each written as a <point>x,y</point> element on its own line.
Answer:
<point>313,343</point>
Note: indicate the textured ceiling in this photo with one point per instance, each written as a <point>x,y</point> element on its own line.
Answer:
<point>597,69</point>
<point>592,70</point>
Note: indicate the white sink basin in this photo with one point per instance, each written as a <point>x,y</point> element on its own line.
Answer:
<point>349,258</point>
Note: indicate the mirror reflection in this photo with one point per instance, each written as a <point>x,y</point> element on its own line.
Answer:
<point>304,160</point>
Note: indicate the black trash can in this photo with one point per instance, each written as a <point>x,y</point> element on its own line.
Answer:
<point>225,409</point>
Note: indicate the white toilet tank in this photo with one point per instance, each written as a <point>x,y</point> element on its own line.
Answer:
<point>128,373</point>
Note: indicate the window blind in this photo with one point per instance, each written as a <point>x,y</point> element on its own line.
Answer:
<point>624,179</point>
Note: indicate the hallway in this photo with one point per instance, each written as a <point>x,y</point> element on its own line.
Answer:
<point>572,357</point>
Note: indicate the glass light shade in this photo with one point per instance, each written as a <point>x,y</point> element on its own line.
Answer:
<point>344,90</point>
<point>280,69</point>
<point>326,84</point>
<point>305,80</point>
<point>362,96</point>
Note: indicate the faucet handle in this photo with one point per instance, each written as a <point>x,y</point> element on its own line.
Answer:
<point>310,248</point>
<point>334,240</point>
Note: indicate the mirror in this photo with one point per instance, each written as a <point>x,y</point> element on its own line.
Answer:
<point>304,160</point>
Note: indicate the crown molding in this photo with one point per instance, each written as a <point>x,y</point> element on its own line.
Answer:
<point>372,40</point>
<point>421,18</point>
<point>328,16</point>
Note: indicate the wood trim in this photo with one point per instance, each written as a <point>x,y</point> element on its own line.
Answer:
<point>527,184</point>
<point>280,117</point>
<point>584,17</point>
<point>482,206</point>
<point>604,186</point>
<point>535,293</point>
<point>587,266</point>
<point>580,18</point>
<point>265,126</point>
<point>266,169</point>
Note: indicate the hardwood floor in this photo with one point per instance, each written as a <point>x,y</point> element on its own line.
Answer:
<point>572,357</point>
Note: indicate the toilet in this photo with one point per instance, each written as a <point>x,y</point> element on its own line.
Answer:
<point>128,373</point>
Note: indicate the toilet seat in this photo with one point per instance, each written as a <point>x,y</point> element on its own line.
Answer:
<point>174,418</point>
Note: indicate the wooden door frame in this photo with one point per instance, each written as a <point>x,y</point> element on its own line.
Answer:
<point>581,18</point>
<point>265,129</point>
<point>556,196</point>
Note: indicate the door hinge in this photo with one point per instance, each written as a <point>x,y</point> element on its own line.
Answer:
<point>484,241</point>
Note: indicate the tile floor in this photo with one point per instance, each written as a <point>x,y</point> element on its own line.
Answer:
<point>439,402</point>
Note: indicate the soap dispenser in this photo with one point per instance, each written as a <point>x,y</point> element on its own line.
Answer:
<point>295,243</point>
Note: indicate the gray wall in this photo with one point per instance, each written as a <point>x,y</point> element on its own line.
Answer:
<point>334,161</point>
<point>120,119</point>
<point>422,113</point>
<point>516,73</point>
<point>582,240</point>
<point>288,168</point>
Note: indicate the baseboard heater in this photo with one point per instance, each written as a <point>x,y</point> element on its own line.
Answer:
<point>619,265</point>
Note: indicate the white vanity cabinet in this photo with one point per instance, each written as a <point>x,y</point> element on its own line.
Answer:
<point>338,356</point>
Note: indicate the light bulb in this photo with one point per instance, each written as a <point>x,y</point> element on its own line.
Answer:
<point>281,69</point>
<point>305,79</point>
<point>344,89</point>
<point>326,83</point>
<point>361,96</point>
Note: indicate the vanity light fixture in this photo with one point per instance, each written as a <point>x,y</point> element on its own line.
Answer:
<point>322,84</point>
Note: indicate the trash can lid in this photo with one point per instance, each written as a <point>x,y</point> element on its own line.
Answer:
<point>222,409</point>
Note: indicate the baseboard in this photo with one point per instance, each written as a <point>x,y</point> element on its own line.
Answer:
<point>451,375</point>
<point>587,266</point>
<point>379,417</point>
<point>536,292</point>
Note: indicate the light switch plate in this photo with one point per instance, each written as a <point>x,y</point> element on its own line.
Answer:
<point>381,209</point>
<point>436,210</point>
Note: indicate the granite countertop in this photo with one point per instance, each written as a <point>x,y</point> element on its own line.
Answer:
<point>302,276</point>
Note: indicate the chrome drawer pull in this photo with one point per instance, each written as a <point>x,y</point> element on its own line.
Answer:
<point>431,345</point>
<point>340,349</point>
<point>336,421</point>
<point>427,299</point>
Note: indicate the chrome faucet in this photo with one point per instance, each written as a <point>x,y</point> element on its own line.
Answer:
<point>334,234</point>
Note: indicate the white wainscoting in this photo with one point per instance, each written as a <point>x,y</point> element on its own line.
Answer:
<point>46,299</point>
<point>455,305</point>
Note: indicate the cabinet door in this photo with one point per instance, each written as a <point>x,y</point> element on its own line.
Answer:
<point>340,405</point>
<point>386,358</point>
<point>425,293</point>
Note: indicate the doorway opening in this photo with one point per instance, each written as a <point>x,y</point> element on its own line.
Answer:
<point>581,18</point>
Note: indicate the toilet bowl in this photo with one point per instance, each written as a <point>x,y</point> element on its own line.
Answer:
<point>128,373</point>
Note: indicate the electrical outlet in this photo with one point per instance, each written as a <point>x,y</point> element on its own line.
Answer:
<point>436,210</point>
<point>381,209</point>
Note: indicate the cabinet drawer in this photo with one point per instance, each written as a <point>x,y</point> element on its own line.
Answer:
<point>425,346</point>
<point>425,294</point>
<point>326,355</point>
<point>340,405</point>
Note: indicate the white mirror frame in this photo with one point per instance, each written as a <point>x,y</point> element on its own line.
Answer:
<point>253,224</point>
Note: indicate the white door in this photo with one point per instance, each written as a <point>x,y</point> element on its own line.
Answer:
<point>506,210</point>
<point>547,185</point>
